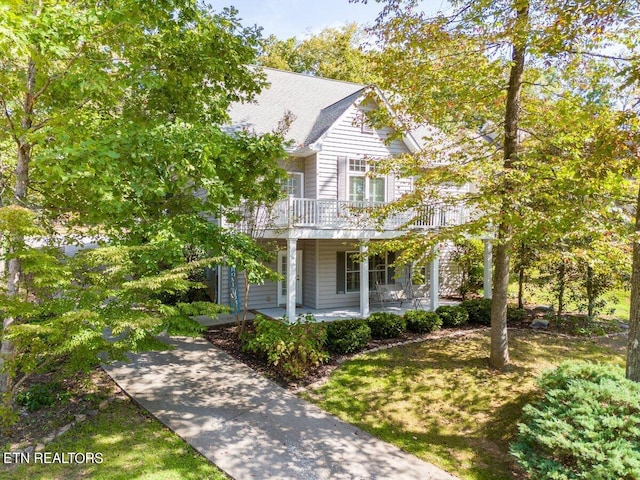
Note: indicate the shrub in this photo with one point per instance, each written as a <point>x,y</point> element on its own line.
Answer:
<point>419,321</point>
<point>386,325</point>
<point>41,395</point>
<point>479,310</point>
<point>347,336</point>
<point>515,314</point>
<point>293,349</point>
<point>585,426</point>
<point>452,316</point>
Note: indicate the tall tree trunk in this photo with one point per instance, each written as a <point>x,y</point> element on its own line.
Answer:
<point>499,357</point>
<point>521,287</point>
<point>591,300</point>
<point>20,197</point>
<point>562,281</point>
<point>633,348</point>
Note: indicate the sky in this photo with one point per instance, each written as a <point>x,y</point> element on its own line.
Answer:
<point>299,18</point>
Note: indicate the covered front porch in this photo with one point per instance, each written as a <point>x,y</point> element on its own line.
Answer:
<point>330,314</point>
<point>291,308</point>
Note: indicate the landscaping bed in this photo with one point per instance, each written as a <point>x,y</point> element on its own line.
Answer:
<point>226,338</point>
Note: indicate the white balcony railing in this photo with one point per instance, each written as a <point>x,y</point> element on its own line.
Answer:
<point>340,214</point>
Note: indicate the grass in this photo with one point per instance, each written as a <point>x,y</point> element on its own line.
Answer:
<point>132,444</point>
<point>439,400</point>
<point>617,300</point>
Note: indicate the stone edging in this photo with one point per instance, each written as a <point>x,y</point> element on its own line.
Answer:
<point>79,418</point>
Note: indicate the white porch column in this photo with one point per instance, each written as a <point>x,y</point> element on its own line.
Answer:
<point>364,280</point>
<point>291,279</point>
<point>434,280</point>
<point>487,282</point>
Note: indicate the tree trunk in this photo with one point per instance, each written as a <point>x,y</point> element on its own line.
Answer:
<point>521,287</point>
<point>590,293</point>
<point>20,197</point>
<point>633,348</point>
<point>499,337</point>
<point>562,270</point>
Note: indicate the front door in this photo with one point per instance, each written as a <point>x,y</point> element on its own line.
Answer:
<point>282,284</point>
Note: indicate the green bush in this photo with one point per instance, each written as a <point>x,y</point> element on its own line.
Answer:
<point>41,395</point>
<point>479,310</point>
<point>585,426</point>
<point>452,316</point>
<point>347,336</point>
<point>386,325</point>
<point>293,349</point>
<point>420,321</point>
<point>515,314</point>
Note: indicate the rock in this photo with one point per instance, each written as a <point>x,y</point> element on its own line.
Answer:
<point>624,326</point>
<point>64,429</point>
<point>103,404</point>
<point>29,450</point>
<point>80,417</point>
<point>39,447</point>
<point>544,308</point>
<point>540,324</point>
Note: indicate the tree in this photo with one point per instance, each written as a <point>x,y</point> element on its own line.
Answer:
<point>111,128</point>
<point>518,49</point>
<point>336,53</point>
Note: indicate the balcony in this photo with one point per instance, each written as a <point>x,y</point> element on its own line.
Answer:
<point>307,213</point>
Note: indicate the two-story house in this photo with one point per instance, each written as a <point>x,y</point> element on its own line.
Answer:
<point>322,225</point>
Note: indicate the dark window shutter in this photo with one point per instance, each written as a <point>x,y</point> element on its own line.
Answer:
<point>343,193</point>
<point>341,269</point>
<point>391,271</point>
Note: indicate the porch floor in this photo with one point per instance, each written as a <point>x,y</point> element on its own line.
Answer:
<point>329,314</point>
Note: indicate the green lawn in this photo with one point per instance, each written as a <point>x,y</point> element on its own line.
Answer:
<point>439,400</point>
<point>133,446</point>
<point>617,300</point>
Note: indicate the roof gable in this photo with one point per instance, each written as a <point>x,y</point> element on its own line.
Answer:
<point>314,103</point>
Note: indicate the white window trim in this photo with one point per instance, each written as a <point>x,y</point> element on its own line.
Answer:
<point>369,169</point>
<point>300,176</point>
<point>372,285</point>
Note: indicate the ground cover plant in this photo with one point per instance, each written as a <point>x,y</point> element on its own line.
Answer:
<point>438,400</point>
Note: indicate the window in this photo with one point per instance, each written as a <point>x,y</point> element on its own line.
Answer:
<point>294,185</point>
<point>365,125</point>
<point>363,187</point>
<point>379,271</point>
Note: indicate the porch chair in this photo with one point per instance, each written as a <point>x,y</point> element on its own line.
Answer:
<point>420,293</point>
<point>390,293</point>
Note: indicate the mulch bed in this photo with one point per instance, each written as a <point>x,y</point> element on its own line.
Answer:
<point>226,338</point>
<point>79,395</point>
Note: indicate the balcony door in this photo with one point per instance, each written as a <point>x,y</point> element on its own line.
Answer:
<point>295,185</point>
<point>282,284</point>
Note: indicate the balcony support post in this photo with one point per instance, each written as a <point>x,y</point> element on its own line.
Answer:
<point>487,280</point>
<point>364,280</point>
<point>434,280</point>
<point>292,272</point>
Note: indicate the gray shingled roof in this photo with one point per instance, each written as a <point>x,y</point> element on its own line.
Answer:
<point>316,103</point>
